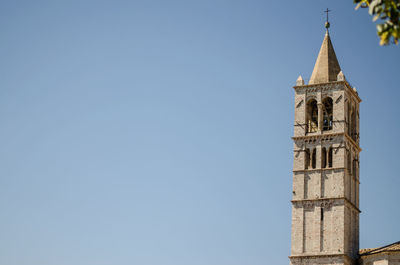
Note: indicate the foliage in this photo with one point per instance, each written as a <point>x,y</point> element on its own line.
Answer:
<point>388,11</point>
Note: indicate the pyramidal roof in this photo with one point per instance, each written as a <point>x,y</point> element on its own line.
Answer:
<point>327,66</point>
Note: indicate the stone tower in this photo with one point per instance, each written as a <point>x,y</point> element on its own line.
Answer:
<point>325,204</point>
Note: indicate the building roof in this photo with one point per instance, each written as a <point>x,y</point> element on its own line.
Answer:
<point>327,66</point>
<point>395,247</point>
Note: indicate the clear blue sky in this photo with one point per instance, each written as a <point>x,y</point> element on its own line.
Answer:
<point>158,132</point>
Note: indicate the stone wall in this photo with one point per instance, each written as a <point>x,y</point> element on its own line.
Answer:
<point>325,195</point>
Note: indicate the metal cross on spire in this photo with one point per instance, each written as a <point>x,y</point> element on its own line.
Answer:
<point>327,18</point>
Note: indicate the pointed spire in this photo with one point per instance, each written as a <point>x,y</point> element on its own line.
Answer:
<point>341,77</point>
<point>326,67</point>
<point>300,81</point>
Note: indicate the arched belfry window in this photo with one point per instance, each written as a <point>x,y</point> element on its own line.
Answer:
<point>330,157</point>
<point>328,114</point>
<point>312,116</point>
<point>314,158</point>
<point>323,157</point>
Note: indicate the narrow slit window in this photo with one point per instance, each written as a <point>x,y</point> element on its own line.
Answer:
<point>349,162</point>
<point>323,157</point>
<point>314,158</point>
<point>306,158</point>
<point>330,157</point>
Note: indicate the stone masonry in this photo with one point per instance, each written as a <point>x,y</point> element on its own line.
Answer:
<point>325,203</point>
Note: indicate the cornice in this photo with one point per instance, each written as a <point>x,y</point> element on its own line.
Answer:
<point>353,142</point>
<point>324,86</point>
<point>327,255</point>
<point>319,256</point>
<point>324,136</point>
<point>315,136</point>
<point>319,85</point>
<point>355,94</point>
<point>312,201</point>
<point>318,169</point>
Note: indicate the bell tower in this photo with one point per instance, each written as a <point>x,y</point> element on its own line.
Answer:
<point>325,202</point>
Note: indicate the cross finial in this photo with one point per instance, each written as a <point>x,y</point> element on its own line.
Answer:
<point>327,18</point>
